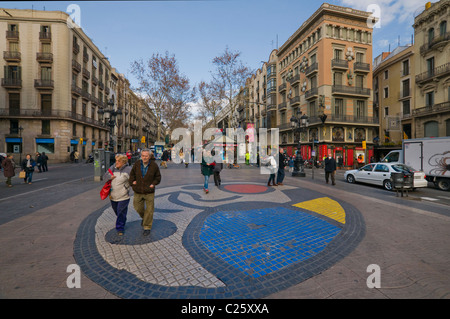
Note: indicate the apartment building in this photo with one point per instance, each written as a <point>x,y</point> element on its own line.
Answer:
<point>431,114</point>
<point>53,84</point>
<point>323,68</point>
<point>393,87</point>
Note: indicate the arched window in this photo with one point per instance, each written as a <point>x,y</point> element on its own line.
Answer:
<point>431,129</point>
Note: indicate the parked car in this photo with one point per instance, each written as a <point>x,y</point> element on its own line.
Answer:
<point>380,174</point>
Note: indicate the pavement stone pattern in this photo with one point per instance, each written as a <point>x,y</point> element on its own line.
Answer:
<point>242,240</point>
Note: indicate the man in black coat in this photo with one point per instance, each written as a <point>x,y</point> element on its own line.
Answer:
<point>281,166</point>
<point>330,169</point>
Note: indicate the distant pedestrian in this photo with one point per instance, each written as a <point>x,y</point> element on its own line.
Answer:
<point>247,158</point>
<point>76,155</point>
<point>120,186</point>
<point>291,164</point>
<point>44,162</point>
<point>128,153</point>
<point>272,166</point>
<point>330,169</point>
<point>217,169</point>
<point>8,166</point>
<point>144,177</point>
<point>28,165</point>
<point>72,156</point>
<point>281,165</point>
<point>39,162</point>
<point>207,169</point>
<point>164,158</point>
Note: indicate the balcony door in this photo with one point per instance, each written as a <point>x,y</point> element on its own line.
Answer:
<point>46,104</point>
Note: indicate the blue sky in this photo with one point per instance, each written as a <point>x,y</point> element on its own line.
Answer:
<point>197,31</point>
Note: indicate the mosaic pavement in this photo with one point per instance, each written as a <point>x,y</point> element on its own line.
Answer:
<point>240,241</point>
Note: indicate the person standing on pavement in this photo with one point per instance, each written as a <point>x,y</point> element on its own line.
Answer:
<point>217,169</point>
<point>120,190</point>
<point>75,156</point>
<point>164,158</point>
<point>207,169</point>
<point>281,165</point>
<point>272,166</point>
<point>28,165</point>
<point>144,177</point>
<point>39,162</point>
<point>44,162</point>
<point>330,169</point>
<point>8,169</point>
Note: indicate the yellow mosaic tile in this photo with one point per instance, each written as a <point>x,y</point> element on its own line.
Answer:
<point>325,206</point>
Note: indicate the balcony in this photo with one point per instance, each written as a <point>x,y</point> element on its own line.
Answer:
<point>432,110</point>
<point>12,35</point>
<point>9,83</point>
<point>433,74</point>
<point>295,79</point>
<point>339,64</point>
<point>76,48</point>
<point>85,95</point>
<point>101,85</point>
<point>86,73</point>
<point>85,57</point>
<point>361,67</point>
<point>271,107</point>
<point>12,56</point>
<point>435,43</point>
<point>76,89</point>
<point>282,106</point>
<point>337,118</point>
<point>107,90</point>
<point>313,93</point>
<point>76,66</point>
<point>282,87</point>
<point>44,84</point>
<point>44,57</point>
<point>45,36</point>
<point>94,80</point>
<point>312,69</point>
<point>295,101</point>
<point>350,90</point>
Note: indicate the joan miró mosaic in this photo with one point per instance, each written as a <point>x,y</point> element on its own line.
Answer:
<point>239,241</point>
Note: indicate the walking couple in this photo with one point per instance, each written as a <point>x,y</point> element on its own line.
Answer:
<point>143,178</point>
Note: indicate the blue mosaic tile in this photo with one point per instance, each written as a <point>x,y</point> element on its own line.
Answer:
<point>260,241</point>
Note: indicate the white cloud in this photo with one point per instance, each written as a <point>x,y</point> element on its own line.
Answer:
<point>399,11</point>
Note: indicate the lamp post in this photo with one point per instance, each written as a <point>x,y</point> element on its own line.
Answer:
<point>111,115</point>
<point>299,124</point>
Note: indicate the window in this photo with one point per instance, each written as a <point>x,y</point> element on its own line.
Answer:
<point>359,81</point>
<point>13,72</point>
<point>386,92</point>
<point>431,129</point>
<point>405,67</point>
<point>337,54</point>
<point>359,57</point>
<point>386,111</point>
<point>14,46</point>
<point>406,107</point>
<point>338,107</point>
<point>386,74</point>
<point>74,106</point>
<point>46,104</point>
<point>368,168</point>
<point>337,78</point>
<point>313,82</point>
<point>382,168</point>
<point>46,73</point>
<point>360,109</point>
<point>312,109</point>
<point>74,129</point>
<point>429,99</point>
<point>14,103</point>
<point>46,48</point>
<point>443,28</point>
<point>430,66</point>
<point>405,88</point>
<point>430,35</point>
<point>45,127</point>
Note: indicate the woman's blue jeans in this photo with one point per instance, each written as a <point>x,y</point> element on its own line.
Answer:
<point>206,181</point>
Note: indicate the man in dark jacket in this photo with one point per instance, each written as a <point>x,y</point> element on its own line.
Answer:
<point>8,169</point>
<point>144,176</point>
<point>281,166</point>
<point>330,169</point>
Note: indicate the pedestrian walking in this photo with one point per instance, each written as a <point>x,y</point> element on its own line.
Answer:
<point>291,164</point>
<point>207,169</point>
<point>281,165</point>
<point>164,158</point>
<point>247,158</point>
<point>28,165</point>
<point>272,166</point>
<point>44,162</point>
<point>217,169</point>
<point>128,154</point>
<point>8,166</point>
<point>330,169</point>
<point>120,190</point>
<point>144,177</point>
<point>39,162</point>
<point>76,155</point>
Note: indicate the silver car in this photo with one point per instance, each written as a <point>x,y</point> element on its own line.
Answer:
<point>380,174</point>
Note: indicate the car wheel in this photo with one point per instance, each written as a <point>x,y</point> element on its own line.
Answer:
<point>443,184</point>
<point>387,184</point>
<point>351,179</point>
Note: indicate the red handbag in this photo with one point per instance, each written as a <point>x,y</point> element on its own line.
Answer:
<point>106,189</point>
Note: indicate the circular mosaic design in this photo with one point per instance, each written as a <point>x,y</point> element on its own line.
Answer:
<point>246,189</point>
<point>247,245</point>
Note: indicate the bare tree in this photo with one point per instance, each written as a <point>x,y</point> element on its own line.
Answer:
<point>229,77</point>
<point>164,88</point>
<point>210,103</point>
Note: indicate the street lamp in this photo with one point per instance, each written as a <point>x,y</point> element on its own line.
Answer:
<point>110,116</point>
<point>299,124</point>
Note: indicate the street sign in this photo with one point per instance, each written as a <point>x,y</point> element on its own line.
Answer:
<point>364,144</point>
